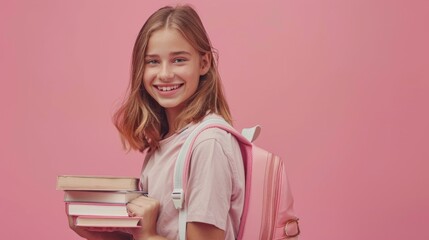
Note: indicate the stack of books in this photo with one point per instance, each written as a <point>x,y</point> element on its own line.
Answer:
<point>99,201</point>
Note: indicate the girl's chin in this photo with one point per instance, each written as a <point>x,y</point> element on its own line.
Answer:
<point>172,106</point>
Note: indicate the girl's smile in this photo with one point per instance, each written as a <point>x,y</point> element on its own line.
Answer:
<point>168,90</point>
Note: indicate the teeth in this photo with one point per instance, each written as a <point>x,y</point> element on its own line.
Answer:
<point>169,88</point>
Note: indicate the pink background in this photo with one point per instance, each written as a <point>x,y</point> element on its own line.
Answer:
<point>340,88</point>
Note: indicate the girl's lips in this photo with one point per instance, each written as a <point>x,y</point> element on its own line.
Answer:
<point>168,90</point>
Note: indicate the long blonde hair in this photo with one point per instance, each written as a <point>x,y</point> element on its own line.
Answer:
<point>140,120</point>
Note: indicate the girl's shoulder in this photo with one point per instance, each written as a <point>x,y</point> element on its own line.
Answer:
<point>220,136</point>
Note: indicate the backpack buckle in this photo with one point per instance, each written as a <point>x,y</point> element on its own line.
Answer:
<point>178,196</point>
<point>295,228</point>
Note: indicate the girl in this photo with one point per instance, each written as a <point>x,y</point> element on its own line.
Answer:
<point>175,84</point>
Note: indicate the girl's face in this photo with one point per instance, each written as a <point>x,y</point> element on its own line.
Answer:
<point>172,69</point>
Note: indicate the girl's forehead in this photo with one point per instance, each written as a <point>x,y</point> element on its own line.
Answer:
<point>167,40</point>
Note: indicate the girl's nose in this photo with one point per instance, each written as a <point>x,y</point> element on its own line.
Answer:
<point>165,73</point>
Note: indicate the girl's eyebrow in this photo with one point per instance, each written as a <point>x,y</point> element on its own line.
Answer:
<point>171,54</point>
<point>150,55</point>
<point>180,53</point>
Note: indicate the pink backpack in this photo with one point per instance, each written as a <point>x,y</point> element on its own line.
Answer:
<point>268,207</point>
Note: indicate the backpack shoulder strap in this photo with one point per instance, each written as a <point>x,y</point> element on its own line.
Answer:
<point>181,170</point>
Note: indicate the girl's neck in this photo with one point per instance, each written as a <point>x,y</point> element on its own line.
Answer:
<point>172,114</point>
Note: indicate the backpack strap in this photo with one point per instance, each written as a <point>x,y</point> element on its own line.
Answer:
<point>181,170</point>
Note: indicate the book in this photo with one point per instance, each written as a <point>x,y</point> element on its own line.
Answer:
<point>96,209</point>
<point>99,201</point>
<point>97,183</point>
<point>98,221</point>
<point>100,196</point>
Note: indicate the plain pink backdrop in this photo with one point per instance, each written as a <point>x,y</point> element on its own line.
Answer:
<point>340,88</point>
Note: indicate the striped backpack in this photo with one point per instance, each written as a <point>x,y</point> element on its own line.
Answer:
<point>268,206</point>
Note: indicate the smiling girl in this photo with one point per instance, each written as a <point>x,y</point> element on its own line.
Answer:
<point>174,85</point>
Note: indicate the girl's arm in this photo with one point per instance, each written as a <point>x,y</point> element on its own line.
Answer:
<point>148,208</point>
<point>197,230</point>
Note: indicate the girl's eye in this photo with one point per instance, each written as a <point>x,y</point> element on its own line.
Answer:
<point>151,61</point>
<point>179,60</point>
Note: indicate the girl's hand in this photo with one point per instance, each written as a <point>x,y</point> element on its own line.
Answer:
<point>148,209</point>
<point>97,233</point>
<point>82,231</point>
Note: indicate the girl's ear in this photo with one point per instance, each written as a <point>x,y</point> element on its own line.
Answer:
<point>205,64</point>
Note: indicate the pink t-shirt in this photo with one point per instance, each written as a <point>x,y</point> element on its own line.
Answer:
<point>215,193</point>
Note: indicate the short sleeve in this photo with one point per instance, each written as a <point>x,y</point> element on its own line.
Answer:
<point>213,178</point>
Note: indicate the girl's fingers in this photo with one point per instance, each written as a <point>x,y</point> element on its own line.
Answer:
<point>134,210</point>
<point>147,209</point>
<point>102,229</point>
<point>136,206</point>
<point>141,206</point>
